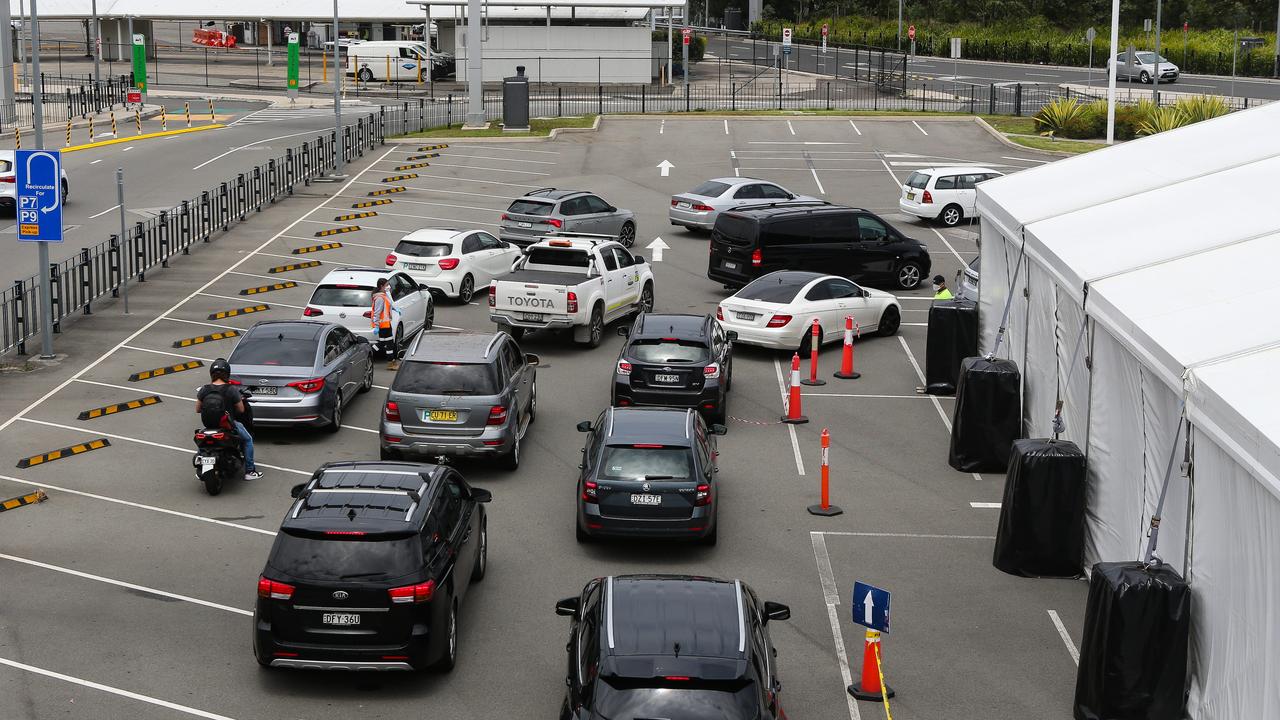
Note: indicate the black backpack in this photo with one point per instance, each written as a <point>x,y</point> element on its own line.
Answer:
<point>213,407</point>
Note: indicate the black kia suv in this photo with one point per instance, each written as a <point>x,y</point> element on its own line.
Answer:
<point>670,646</point>
<point>831,239</point>
<point>675,361</point>
<point>369,567</point>
<point>648,472</point>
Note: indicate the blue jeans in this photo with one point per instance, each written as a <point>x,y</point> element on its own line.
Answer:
<point>247,439</point>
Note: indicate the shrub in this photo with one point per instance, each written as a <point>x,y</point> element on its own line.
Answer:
<point>1162,119</point>
<point>1201,107</point>
<point>1056,117</point>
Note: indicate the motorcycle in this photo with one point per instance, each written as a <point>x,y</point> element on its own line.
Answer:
<point>220,454</point>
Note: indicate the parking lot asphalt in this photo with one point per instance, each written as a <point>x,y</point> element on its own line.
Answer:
<point>128,594</point>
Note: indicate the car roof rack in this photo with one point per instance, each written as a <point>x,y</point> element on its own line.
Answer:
<point>540,190</point>
<point>785,203</point>
<point>593,238</point>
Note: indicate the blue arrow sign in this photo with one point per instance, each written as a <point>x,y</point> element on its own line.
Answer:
<point>871,607</point>
<point>39,188</point>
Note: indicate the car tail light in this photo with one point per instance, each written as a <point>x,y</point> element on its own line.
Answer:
<point>493,295</point>
<point>757,257</point>
<point>674,202</point>
<point>308,386</point>
<point>720,313</point>
<point>344,532</point>
<point>419,593</point>
<point>648,446</point>
<point>497,415</point>
<point>9,179</point>
<point>589,492</point>
<point>711,371</point>
<point>367,313</point>
<point>202,436</point>
<point>677,678</point>
<point>702,208</point>
<point>274,590</point>
<point>703,496</point>
<point>624,367</point>
<point>234,382</point>
<point>448,263</point>
<point>572,300</point>
<point>778,321</point>
<point>623,402</point>
<point>311,312</point>
<point>926,198</point>
<point>391,259</point>
<point>554,222</point>
<point>391,412</point>
<point>506,216</point>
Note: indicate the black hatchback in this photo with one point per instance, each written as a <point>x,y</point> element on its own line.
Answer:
<point>671,646</point>
<point>648,472</point>
<point>369,567</point>
<point>675,361</point>
<point>820,237</point>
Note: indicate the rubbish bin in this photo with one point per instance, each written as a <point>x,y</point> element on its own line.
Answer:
<point>515,102</point>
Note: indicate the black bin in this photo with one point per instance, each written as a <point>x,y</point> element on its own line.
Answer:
<point>1041,530</point>
<point>953,336</point>
<point>1133,656</point>
<point>515,102</point>
<point>988,415</point>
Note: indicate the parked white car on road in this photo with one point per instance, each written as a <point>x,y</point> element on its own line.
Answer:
<point>1143,67</point>
<point>453,263</point>
<point>946,194</point>
<point>345,297</point>
<point>777,310</point>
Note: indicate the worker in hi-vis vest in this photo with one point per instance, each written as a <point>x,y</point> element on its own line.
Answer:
<point>940,291</point>
<point>380,319</point>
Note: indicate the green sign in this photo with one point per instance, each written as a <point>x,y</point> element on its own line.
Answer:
<point>140,62</point>
<point>292,82</point>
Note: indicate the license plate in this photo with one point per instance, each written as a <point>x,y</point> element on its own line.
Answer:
<point>746,316</point>
<point>524,224</point>
<point>265,390</point>
<point>441,416</point>
<point>207,462</point>
<point>646,499</point>
<point>730,265</point>
<point>911,196</point>
<point>666,378</point>
<point>684,205</point>
<point>340,619</point>
<point>414,266</point>
<point>533,317</point>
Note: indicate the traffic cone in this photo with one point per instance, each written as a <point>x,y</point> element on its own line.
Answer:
<point>815,339</point>
<point>793,415</point>
<point>871,688</point>
<point>825,508</point>
<point>846,362</point>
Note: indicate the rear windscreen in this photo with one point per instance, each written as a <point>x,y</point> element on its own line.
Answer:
<point>710,188</point>
<point>677,698</point>
<point>769,289</point>
<point>279,350</point>
<point>428,378</point>
<point>556,256</point>
<point>343,296</point>
<point>348,558</point>
<point>918,180</point>
<point>530,207</point>
<point>630,462</point>
<point>668,351</point>
<point>423,249</point>
<point>735,230</point>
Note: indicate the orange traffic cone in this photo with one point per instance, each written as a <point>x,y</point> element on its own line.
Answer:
<point>793,415</point>
<point>846,371</point>
<point>871,687</point>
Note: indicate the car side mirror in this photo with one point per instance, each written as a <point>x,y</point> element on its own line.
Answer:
<point>532,359</point>
<point>481,496</point>
<point>718,429</point>
<point>624,331</point>
<point>584,426</point>
<point>423,286</point>
<point>567,607</point>
<point>639,259</point>
<point>731,335</point>
<point>296,491</point>
<point>362,340</point>
<point>775,611</point>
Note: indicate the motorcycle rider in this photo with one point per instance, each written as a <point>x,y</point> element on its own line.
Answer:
<point>235,410</point>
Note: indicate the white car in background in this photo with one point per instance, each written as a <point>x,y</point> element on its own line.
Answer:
<point>777,310</point>
<point>345,297</point>
<point>1143,67</point>
<point>9,183</point>
<point>699,207</point>
<point>453,263</point>
<point>946,194</point>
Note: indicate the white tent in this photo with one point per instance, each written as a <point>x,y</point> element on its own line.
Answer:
<point>1163,250</point>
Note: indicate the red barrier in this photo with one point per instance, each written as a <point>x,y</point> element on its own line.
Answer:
<point>846,362</point>
<point>825,508</point>
<point>793,415</point>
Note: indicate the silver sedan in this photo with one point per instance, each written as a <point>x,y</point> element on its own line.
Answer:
<point>698,208</point>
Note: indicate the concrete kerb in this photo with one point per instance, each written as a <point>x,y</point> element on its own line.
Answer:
<point>1003,140</point>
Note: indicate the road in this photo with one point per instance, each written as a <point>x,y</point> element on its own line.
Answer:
<point>126,595</point>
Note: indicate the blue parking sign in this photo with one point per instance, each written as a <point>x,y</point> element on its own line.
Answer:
<point>39,181</point>
<point>871,607</point>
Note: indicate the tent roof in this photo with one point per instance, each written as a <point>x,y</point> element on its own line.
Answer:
<point>1173,254</point>
<point>349,10</point>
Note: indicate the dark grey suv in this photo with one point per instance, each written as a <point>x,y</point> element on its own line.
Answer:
<point>461,394</point>
<point>550,211</point>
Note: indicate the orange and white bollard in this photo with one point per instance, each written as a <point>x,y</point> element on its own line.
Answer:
<point>872,687</point>
<point>793,415</point>
<point>815,341</point>
<point>825,508</point>
<point>846,371</point>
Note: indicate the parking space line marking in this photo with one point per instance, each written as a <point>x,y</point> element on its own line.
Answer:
<point>985,505</point>
<point>278,255</point>
<point>791,429</point>
<point>504,149</point>
<point>70,451</point>
<point>268,277</point>
<point>123,584</point>
<point>104,212</point>
<point>20,415</point>
<point>345,244</point>
<point>454,153</point>
<point>913,122</point>
<point>1006,157</point>
<point>492,169</point>
<point>661,125</point>
<point>245,147</point>
<point>726,126</point>
<point>855,128</point>
<point>831,598</point>
<point>948,244</point>
<point>821,190</point>
<point>125,438</point>
<point>118,408</point>
<point>451,205</point>
<point>920,374</point>
<point>1066,638</point>
<point>791,127</point>
<point>112,690</point>
<point>245,310</point>
<point>464,192</point>
<point>164,352</point>
<point>913,536</point>
<point>424,217</point>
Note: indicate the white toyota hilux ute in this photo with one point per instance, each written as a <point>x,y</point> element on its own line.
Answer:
<point>578,282</point>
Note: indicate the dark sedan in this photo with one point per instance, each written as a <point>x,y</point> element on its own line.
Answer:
<point>675,361</point>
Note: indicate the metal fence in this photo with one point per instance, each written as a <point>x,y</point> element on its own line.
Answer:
<point>63,99</point>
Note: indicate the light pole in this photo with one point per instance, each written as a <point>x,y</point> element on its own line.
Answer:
<point>337,102</point>
<point>1112,67</point>
<point>97,42</point>
<point>37,119</point>
<point>7,105</point>
<point>475,67</point>
<point>1155,80</point>
<point>900,25</point>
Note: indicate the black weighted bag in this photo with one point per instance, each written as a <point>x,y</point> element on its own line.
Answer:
<point>1041,530</point>
<point>953,336</point>
<point>988,415</point>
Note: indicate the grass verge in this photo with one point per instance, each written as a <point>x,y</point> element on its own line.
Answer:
<point>537,127</point>
<point>1067,146</point>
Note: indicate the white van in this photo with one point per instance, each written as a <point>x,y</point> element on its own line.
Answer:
<point>394,60</point>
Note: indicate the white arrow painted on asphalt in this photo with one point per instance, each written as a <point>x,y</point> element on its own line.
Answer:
<point>868,605</point>
<point>657,246</point>
<point>665,166</point>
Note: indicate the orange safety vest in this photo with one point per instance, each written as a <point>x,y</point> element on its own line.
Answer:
<point>381,319</point>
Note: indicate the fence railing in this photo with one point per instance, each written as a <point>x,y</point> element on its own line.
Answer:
<point>63,99</point>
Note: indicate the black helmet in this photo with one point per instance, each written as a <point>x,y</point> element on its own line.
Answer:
<point>220,368</point>
<point>938,280</point>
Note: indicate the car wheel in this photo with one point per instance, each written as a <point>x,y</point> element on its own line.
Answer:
<point>805,348</point>
<point>646,298</point>
<point>398,342</point>
<point>429,319</point>
<point>365,75</point>
<point>511,461</point>
<point>450,657</point>
<point>595,331</point>
<point>909,275</point>
<point>482,554</point>
<point>1145,77</point>
<point>387,454</point>
<point>65,192</point>
<point>890,320</point>
<point>951,215</point>
<point>728,378</point>
<point>336,423</point>
<point>212,482</point>
<point>627,236</point>
<point>367,384</point>
<point>467,289</point>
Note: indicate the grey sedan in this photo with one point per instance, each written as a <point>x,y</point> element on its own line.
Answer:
<point>301,372</point>
<point>698,208</point>
<point>550,211</point>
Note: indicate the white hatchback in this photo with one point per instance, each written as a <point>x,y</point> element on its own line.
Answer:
<point>945,194</point>
<point>345,297</point>
<point>453,263</point>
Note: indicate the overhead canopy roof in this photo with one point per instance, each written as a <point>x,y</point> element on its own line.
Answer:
<point>348,10</point>
<point>1166,234</point>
